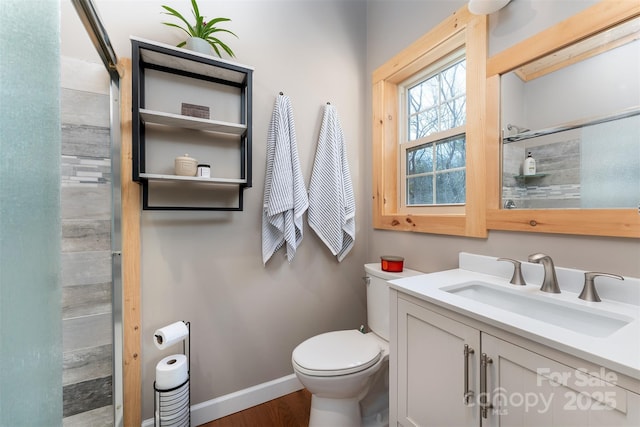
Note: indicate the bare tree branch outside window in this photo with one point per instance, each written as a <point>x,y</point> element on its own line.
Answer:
<point>436,171</point>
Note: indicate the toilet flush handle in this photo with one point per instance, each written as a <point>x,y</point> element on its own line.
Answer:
<point>366,280</point>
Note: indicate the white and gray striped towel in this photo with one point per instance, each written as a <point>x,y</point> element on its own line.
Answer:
<point>285,194</point>
<point>332,205</point>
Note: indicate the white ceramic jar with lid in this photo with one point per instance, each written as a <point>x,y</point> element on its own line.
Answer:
<point>185,166</point>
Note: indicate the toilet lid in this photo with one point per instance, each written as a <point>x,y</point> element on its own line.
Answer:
<point>336,353</point>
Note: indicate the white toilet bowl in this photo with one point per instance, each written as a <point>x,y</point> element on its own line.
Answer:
<point>347,372</point>
<point>338,368</point>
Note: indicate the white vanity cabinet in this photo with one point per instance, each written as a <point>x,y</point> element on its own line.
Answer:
<point>526,383</point>
<point>528,389</point>
<point>430,367</point>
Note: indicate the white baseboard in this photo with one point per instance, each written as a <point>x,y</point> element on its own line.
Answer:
<point>240,400</point>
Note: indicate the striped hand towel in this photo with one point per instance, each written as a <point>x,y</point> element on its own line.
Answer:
<point>285,194</point>
<point>332,205</point>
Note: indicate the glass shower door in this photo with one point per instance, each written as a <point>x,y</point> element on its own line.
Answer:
<point>30,291</point>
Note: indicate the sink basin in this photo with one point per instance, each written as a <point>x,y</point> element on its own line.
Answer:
<point>584,320</point>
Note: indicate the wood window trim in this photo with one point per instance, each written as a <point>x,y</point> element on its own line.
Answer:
<point>460,27</point>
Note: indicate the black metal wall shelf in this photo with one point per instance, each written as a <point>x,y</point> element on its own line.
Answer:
<point>148,55</point>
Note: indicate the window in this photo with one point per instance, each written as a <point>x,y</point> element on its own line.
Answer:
<point>435,108</point>
<point>428,132</point>
<point>437,103</point>
<point>435,173</point>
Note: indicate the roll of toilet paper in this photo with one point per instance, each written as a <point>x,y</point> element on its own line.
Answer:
<point>171,371</point>
<point>170,334</point>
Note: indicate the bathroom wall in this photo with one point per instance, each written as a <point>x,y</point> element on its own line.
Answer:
<point>426,252</point>
<point>206,267</point>
<point>86,244</point>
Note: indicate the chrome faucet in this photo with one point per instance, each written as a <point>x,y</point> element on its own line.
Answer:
<point>550,282</point>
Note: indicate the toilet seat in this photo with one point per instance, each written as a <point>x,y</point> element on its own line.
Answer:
<point>336,353</point>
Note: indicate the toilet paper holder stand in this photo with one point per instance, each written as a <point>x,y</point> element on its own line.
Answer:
<point>180,400</point>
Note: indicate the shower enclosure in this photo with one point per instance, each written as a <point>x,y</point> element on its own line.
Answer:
<point>60,267</point>
<point>86,274</point>
<point>90,209</point>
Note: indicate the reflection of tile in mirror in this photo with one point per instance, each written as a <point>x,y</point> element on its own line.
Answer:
<point>557,184</point>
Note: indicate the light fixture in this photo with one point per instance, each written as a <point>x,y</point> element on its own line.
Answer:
<point>486,7</point>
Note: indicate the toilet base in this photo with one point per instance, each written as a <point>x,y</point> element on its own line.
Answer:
<point>374,407</point>
<point>334,412</point>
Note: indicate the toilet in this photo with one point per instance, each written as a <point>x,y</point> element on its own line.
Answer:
<point>347,372</point>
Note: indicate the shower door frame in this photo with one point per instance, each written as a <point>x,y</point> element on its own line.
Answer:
<point>125,227</point>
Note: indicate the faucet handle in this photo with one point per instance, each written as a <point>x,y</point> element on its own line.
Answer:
<point>517,278</point>
<point>589,292</point>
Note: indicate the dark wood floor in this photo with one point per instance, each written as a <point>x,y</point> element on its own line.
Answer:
<point>291,410</point>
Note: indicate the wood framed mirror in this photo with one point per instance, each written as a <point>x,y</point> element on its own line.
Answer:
<point>603,27</point>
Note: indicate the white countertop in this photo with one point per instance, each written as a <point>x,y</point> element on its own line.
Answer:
<point>619,351</point>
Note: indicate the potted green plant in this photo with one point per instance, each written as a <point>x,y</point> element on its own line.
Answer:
<point>203,30</point>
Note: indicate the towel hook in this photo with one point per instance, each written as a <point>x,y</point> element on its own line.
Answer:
<point>281,93</point>
<point>328,103</point>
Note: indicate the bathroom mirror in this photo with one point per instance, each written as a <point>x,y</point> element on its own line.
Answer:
<point>577,112</point>
<point>570,96</point>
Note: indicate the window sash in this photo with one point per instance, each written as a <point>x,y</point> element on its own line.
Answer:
<point>404,175</point>
<point>435,105</point>
<point>431,75</point>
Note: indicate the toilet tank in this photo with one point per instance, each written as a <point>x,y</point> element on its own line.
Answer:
<point>378,296</point>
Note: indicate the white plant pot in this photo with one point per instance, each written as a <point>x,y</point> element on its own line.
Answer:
<point>199,45</point>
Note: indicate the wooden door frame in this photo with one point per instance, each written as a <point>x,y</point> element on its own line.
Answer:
<point>130,194</point>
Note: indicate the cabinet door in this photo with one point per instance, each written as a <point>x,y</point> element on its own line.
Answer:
<point>431,369</point>
<point>527,389</point>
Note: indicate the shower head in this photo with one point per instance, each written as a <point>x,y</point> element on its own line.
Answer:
<point>517,129</point>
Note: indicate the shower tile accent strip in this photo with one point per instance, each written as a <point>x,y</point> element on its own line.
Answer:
<point>85,170</point>
<point>77,171</point>
<point>532,197</point>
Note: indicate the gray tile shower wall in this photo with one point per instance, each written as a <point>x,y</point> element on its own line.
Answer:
<point>86,259</point>
<point>557,162</point>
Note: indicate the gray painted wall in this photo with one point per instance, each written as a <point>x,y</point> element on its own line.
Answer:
<point>206,267</point>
